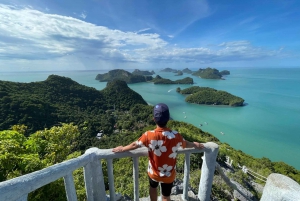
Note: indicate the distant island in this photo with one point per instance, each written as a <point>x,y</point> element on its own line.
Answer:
<point>120,74</point>
<point>160,80</point>
<point>186,70</point>
<point>210,73</point>
<point>169,70</point>
<point>141,72</point>
<point>210,96</point>
<point>179,73</point>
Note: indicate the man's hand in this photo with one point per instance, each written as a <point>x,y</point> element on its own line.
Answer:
<point>118,149</point>
<point>198,145</point>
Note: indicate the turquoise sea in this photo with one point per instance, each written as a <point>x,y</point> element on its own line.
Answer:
<point>268,126</point>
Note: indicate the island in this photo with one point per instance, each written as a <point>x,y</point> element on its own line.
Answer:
<point>186,70</point>
<point>159,80</point>
<point>179,73</point>
<point>211,73</point>
<point>141,72</point>
<point>169,70</point>
<point>210,96</point>
<point>120,74</point>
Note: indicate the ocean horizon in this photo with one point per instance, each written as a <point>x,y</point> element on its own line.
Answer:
<point>267,126</point>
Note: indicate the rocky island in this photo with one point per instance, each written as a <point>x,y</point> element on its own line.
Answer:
<point>120,74</point>
<point>210,73</point>
<point>160,80</point>
<point>210,96</point>
<point>141,72</point>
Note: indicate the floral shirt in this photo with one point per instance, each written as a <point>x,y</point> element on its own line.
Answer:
<point>162,144</point>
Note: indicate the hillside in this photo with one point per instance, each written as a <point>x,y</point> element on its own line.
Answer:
<point>120,74</point>
<point>40,105</point>
<point>209,96</point>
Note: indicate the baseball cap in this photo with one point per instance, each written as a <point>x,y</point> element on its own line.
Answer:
<point>161,113</point>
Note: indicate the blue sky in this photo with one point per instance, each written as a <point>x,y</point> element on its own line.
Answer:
<point>148,34</point>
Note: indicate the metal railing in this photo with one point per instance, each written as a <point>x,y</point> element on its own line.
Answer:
<point>17,189</point>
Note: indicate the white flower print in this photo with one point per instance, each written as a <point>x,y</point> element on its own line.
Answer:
<point>165,170</point>
<point>150,170</point>
<point>156,146</point>
<point>175,149</point>
<point>169,134</point>
<point>140,143</point>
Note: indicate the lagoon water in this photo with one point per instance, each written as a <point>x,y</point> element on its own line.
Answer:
<point>268,126</point>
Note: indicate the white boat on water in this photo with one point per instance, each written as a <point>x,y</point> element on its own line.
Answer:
<point>222,133</point>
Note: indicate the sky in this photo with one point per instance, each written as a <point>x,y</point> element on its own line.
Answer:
<point>42,35</point>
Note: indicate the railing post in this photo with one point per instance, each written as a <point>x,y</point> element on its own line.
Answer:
<point>186,176</point>
<point>207,171</point>
<point>110,168</point>
<point>70,187</point>
<point>136,178</point>
<point>94,178</point>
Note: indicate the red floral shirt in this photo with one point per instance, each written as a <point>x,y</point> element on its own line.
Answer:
<point>162,144</point>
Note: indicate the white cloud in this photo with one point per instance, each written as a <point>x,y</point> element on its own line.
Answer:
<point>28,34</point>
<point>83,15</point>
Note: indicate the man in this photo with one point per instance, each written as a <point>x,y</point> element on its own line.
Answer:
<point>162,144</point>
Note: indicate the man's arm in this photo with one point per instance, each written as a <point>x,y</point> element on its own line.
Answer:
<point>129,147</point>
<point>195,145</point>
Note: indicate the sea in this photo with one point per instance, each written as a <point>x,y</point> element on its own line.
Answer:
<point>267,126</point>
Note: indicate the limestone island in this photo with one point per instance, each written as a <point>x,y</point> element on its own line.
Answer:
<point>210,96</point>
<point>160,80</point>
<point>211,73</point>
<point>169,70</point>
<point>120,74</point>
<point>179,73</point>
<point>186,70</point>
<point>141,72</point>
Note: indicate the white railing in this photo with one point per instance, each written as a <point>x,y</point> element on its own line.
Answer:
<point>17,189</point>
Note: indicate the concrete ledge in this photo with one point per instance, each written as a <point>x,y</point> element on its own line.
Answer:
<point>280,188</point>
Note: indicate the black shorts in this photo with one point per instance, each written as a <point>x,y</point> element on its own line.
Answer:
<point>165,187</point>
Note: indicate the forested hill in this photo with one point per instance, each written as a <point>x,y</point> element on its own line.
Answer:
<point>40,105</point>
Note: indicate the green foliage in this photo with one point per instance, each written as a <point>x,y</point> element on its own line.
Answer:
<point>210,96</point>
<point>40,105</point>
<point>120,96</point>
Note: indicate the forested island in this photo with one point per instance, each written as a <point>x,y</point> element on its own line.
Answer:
<point>210,96</point>
<point>160,80</point>
<point>45,123</point>
<point>186,70</point>
<point>120,74</point>
<point>210,73</point>
<point>142,72</point>
<point>171,70</point>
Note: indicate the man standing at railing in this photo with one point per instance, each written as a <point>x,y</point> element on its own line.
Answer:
<point>162,144</point>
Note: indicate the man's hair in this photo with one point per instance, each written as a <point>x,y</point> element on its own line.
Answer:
<point>161,124</point>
